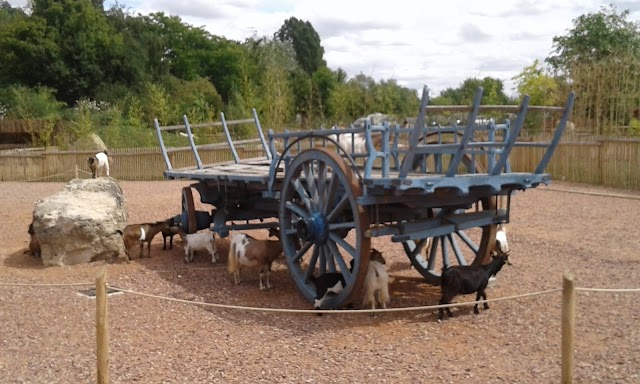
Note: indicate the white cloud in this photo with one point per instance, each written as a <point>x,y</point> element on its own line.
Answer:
<point>435,43</point>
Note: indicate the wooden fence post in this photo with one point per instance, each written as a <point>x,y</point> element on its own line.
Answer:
<point>75,174</point>
<point>568,326</point>
<point>102,327</point>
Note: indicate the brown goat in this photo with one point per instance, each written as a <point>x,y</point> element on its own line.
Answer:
<point>34,244</point>
<point>247,251</point>
<point>142,233</point>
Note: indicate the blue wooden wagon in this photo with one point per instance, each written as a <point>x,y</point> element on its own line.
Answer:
<point>440,190</point>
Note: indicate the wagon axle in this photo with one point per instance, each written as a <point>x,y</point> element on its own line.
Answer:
<point>315,228</point>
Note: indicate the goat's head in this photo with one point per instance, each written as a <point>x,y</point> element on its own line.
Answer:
<point>274,232</point>
<point>93,165</point>
<point>499,259</point>
<point>377,256</point>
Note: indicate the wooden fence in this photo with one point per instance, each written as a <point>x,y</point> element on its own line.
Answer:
<point>610,162</point>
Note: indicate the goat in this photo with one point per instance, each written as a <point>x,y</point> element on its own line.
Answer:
<point>376,281</point>
<point>327,285</point>
<point>34,244</point>
<point>142,233</point>
<point>467,279</point>
<point>356,143</point>
<point>199,241</point>
<point>97,163</point>
<point>246,251</point>
<point>169,233</point>
<point>502,245</point>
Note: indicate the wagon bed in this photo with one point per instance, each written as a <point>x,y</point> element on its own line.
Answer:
<point>440,191</point>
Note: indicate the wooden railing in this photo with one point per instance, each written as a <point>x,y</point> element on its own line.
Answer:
<point>610,162</point>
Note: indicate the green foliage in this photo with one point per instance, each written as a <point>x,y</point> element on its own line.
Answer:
<point>541,87</point>
<point>156,105</point>
<point>634,127</point>
<point>198,99</point>
<point>305,41</point>
<point>596,36</point>
<point>89,51</point>
<point>493,92</point>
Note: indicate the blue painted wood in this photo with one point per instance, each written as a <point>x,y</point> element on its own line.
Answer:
<point>227,134</point>
<point>194,149</point>
<point>163,148</point>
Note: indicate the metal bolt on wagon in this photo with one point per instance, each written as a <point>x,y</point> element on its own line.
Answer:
<point>440,190</point>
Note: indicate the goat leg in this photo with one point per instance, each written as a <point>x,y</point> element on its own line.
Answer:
<point>484,297</point>
<point>262,276</point>
<point>475,307</point>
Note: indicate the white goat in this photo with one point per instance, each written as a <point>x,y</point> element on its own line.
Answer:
<point>376,283</point>
<point>356,143</point>
<point>199,241</point>
<point>98,163</point>
<point>501,239</point>
<point>246,251</point>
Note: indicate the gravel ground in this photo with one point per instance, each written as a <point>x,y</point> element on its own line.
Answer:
<point>47,334</point>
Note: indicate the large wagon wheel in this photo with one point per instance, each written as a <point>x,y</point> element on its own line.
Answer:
<point>188,215</point>
<point>318,208</point>
<point>463,247</point>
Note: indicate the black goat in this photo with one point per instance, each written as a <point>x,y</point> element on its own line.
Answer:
<point>169,233</point>
<point>467,279</point>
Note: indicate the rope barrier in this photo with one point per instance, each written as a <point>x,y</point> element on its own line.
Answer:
<point>318,311</point>
<point>608,290</point>
<point>46,285</point>
<point>632,197</point>
<point>47,177</point>
<point>341,311</point>
<point>83,171</point>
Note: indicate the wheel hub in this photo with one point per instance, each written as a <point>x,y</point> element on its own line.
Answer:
<point>314,228</point>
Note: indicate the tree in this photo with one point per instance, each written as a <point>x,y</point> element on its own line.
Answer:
<point>493,92</point>
<point>542,88</point>
<point>305,41</point>
<point>89,51</point>
<point>595,36</point>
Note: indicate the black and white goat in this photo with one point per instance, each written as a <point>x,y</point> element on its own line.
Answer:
<point>327,285</point>
<point>467,279</point>
<point>99,163</point>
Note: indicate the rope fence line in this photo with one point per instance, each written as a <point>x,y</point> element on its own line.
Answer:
<point>607,289</point>
<point>78,170</point>
<point>601,194</point>
<point>46,285</point>
<point>341,311</point>
<point>50,176</point>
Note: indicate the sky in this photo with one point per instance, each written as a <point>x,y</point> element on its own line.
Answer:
<point>417,43</point>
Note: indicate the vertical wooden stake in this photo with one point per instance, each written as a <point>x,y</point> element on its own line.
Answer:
<point>75,174</point>
<point>102,331</point>
<point>568,326</point>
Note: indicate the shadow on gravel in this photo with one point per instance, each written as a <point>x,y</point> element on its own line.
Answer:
<point>22,259</point>
<point>207,282</point>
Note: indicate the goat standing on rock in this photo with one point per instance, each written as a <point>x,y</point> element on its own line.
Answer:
<point>467,279</point>
<point>98,163</point>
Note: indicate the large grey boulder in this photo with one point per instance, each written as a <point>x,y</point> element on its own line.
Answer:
<point>80,224</point>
